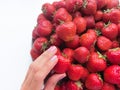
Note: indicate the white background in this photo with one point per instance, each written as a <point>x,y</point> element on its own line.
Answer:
<point>17,20</point>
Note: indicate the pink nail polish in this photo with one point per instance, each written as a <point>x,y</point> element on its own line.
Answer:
<point>54,58</point>
<point>52,49</point>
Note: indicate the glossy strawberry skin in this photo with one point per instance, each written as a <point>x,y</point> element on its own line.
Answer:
<point>74,43</point>
<point>76,14</point>
<point>113,55</point>
<point>112,74</point>
<point>75,72</point>
<point>112,4</point>
<point>115,44</point>
<point>62,65</point>
<point>44,28</point>
<point>81,24</point>
<point>62,15</point>
<point>101,4</point>
<point>98,15</point>
<point>85,74</point>
<point>99,25</point>
<point>40,18</point>
<point>96,63</point>
<point>81,54</point>
<point>104,43</point>
<point>34,54</point>
<point>57,87</point>
<point>108,86</point>
<point>34,34</point>
<point>93,82</point>
<point>66,31</point>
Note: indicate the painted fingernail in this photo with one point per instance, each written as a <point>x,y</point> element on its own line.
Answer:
<point>54,58</point>
<point>52,49</point>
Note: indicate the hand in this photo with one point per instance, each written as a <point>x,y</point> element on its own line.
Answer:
<point>39,69</point>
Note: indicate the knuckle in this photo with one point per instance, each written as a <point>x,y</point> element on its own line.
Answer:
<point>39,76</point>
<point>34,67</point>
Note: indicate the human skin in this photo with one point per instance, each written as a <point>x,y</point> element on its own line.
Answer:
<point>39,69</point>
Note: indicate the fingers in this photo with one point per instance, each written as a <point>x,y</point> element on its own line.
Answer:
<point>51,83</point>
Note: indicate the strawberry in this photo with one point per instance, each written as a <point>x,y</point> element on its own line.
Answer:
<point>68,53</point>
<point>81,24</point>
<point>73,5</point>
<point>99,26</point>
<point>106,16</point>
<point>61,15</point>
<point>98,15</point>
<point>34,34</point>
<point>85,74</point>
<point>72,85</point>
<point>110,31</point>
<point>76,14</point>
<point>81,54</point>
<point>62,65</point>
<point>115,44</point>
<point>63,86</point>
<point>101,4</point>
<point>112,4</point>
<point>118,30</point>
<point>90,21</point>
<point>57,87</point>
<point>44,28</point>
<point>75,72</point>
<point>104,43</point>
<point>40,44</point>
<point>66,31</point>
<point>108,86</point>
<point>112,74</point>
<point>55,40</point>
<point>48,10</point>
<point>89,7</point>
<point>34,54</point>
<point>58,52</point>
<point>94,82</point>
<point>74,43</point>
<point>40,18</point>
<point>96,63</point>
<point>113,55</point>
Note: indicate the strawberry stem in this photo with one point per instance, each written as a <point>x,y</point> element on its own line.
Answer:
<point>85,4</point>
<point>106,25</point>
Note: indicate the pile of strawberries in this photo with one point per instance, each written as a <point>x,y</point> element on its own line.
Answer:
<point>87,35</point>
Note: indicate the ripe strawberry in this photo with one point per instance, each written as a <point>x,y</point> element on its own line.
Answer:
<point>68,53</point>
<point>48,10</point>
<point>81,54</point>
<point>112,74</point>
<point>98,15</point>
<point>85,74</point>
<point>62,64</point>
<point>89,7</point>
<point>101,4</point>
<point>96,63</point>
<point>57,87</point>
<point>106,16</point>
<point>104,43</point>
<point>34,34</point>
<point>63,86</point>
<point>59,4</point>
<point>81,24</point>
<point>40,18</point>
<point>44,28</point>
<point>118,30</point>
<point>75,72</point>
<point>62,15</point>
<point>108,86</point>
<point>110,31</point>
<point>74,43</point>
<point>112,4</point>
<point>76,14</point>
<point>113,55</point>
<point>66,31</point>
<point>115,44</point>
<point>40,44</point>
<point>58,52</point>
<point>90,21</point>
<point>72,85</point>
<point>73,5</point>
<point>94,82</point>
<point>99,26</point>
<point>55,40</point>
<point>34,54</point>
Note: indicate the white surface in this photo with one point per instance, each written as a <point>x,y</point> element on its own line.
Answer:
<point>17,20</point>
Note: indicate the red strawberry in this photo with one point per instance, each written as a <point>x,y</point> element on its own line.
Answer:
<point>108,86</point>
<point>112,74</point>
<point>68,53</point>
<point>81,24</point>
<point>66,31</point>
<point>112,4</point>
<point>57,87</point>
<point>90,21</point>
<point>98,15</point>
<point>94,82</point>
<point>99,26</point>
<point>85,74</point>
<point>44,28</point>
<point>61,16</point>
<point>40,18</point>
<point>110,31</point>
<point>63,86</point>
<point>62,64</point>
<point>106,16</point>
<point>81,54</point>
<point>96,63</point>
<point>113,55</point>
<point>34,34</point>
<point>48,10</point>
<point>119,30</point>
<point>55,40</point>
<point>73,5</point>
<point>115,44</point>
<point>72,85</point>
<point>89,7</point>
<point>75,72</point>
<point>74,43</point>
<point>76,14</point>
<point>40,44</point>
<point>34,54</point>
<point>101,4</point>
<point>58,52</point>
<point>104,43</point>
<point>59,4</point>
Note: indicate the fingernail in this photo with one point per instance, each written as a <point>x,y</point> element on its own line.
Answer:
<point>62,76</point>
<point>54,58</point>
<point>52,49</point>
